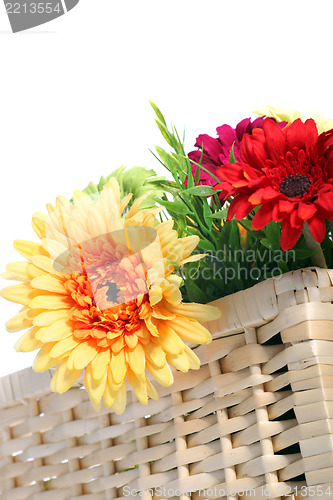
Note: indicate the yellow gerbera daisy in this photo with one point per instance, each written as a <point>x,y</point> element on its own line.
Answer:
<point>287,115</point>
<point>100,295</point>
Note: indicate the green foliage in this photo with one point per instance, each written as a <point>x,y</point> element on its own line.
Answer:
<point>136,180</point>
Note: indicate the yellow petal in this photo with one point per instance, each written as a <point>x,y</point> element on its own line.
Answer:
<point>152,391</point>
<point>160,311</point>
<point>124,202</point>
<point>173,295</point>
<point>193,258</point>
<point>136,359</point>
<point>135,207</point>
<point>139,386</point>
<point>33,271</point>
<point>131,340</point>
<point>100,363</point>
<point>12,277</point>
<point>46,264</point>
<point>47,318</point>
<point>151,326</point>
<point>155,295</point>
<point>155,354</point>
<point>27,248</point>
<point>109,391</point>
<point>169,340</point>
<point>18,322</point>
<point>21,294</point>
<point>59,330</point>
<point>173,252</point>
<point>173,281</point>
<point>193,358</point>
<point>119,403</point>
<point>118,366</point>
<point>50,208</point>
<point>63,346</point>
<point>143,334</point>
<point>38,224</point>
<point>43,361</point>
<point>179,361</point>
<point>200,312</point>
<point>53,247</point>
<point>118,345</point>
<point>189,244</point>
<point>31,314</point>
<point>191,330</point>
<point>19,268</point>
<point>165,233</point>
<point>63,378</point>
<point>49,283</point>
<point>95,388</point>
<point>51,301</point>
<point>162,375</point>
<point>83,354</point>
<point>95,223</point>
<point>27,342</point>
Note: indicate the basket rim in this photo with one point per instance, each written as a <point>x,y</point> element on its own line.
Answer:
<point>252,307</point>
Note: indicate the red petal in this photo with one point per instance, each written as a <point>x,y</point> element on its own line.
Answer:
<point>311,134</point>
<point>240,207</point>
<point>252,149</point>
<point>244,209</point>
<point>295,221</point>
<point>282,209</point>
<point>209,145</point>
<point>289,235</point>
<point>306,211</point>
<point>267,193</point>
<point>206,161</point>
<point>325,204</point>
<point>296,133</point>
<point>286,206</point>
<point>317,227</point>
<point>231,172</point>
<point>227,135</point>
<point>275,140</point>
<point>263,216</point>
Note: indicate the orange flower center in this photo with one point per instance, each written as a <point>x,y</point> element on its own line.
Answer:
<point>111,302</point>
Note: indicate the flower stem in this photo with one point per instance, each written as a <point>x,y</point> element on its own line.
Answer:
<point>319,258</point>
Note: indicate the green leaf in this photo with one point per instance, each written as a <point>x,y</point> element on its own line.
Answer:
<point>234,241</point>
<point>206,245</point>
<point>207,171</point>
<point>195,293</point>
<point>174,206</point>
<point>207,213</point>
<point>158,112</point>
<point>304,253</point>
<point>232,158</point>
<point>166,134</point>
<point>266,243</point>
<point>200,191</point>
<point>273,235</point>
<point>197,176</point>
<point>221,214</point>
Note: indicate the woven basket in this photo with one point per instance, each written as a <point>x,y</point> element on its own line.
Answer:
<point>255,419</point>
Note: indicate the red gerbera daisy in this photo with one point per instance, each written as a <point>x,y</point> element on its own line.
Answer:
<point>288,172</point>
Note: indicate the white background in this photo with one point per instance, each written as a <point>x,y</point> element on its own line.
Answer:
<point>74,100</point>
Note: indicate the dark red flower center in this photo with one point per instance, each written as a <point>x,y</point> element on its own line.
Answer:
<point>295,185</point>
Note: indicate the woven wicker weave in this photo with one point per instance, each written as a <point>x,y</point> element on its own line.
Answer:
<point>257,413</point>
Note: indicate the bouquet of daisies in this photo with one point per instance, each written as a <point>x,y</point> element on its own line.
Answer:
<point>118,284</point>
